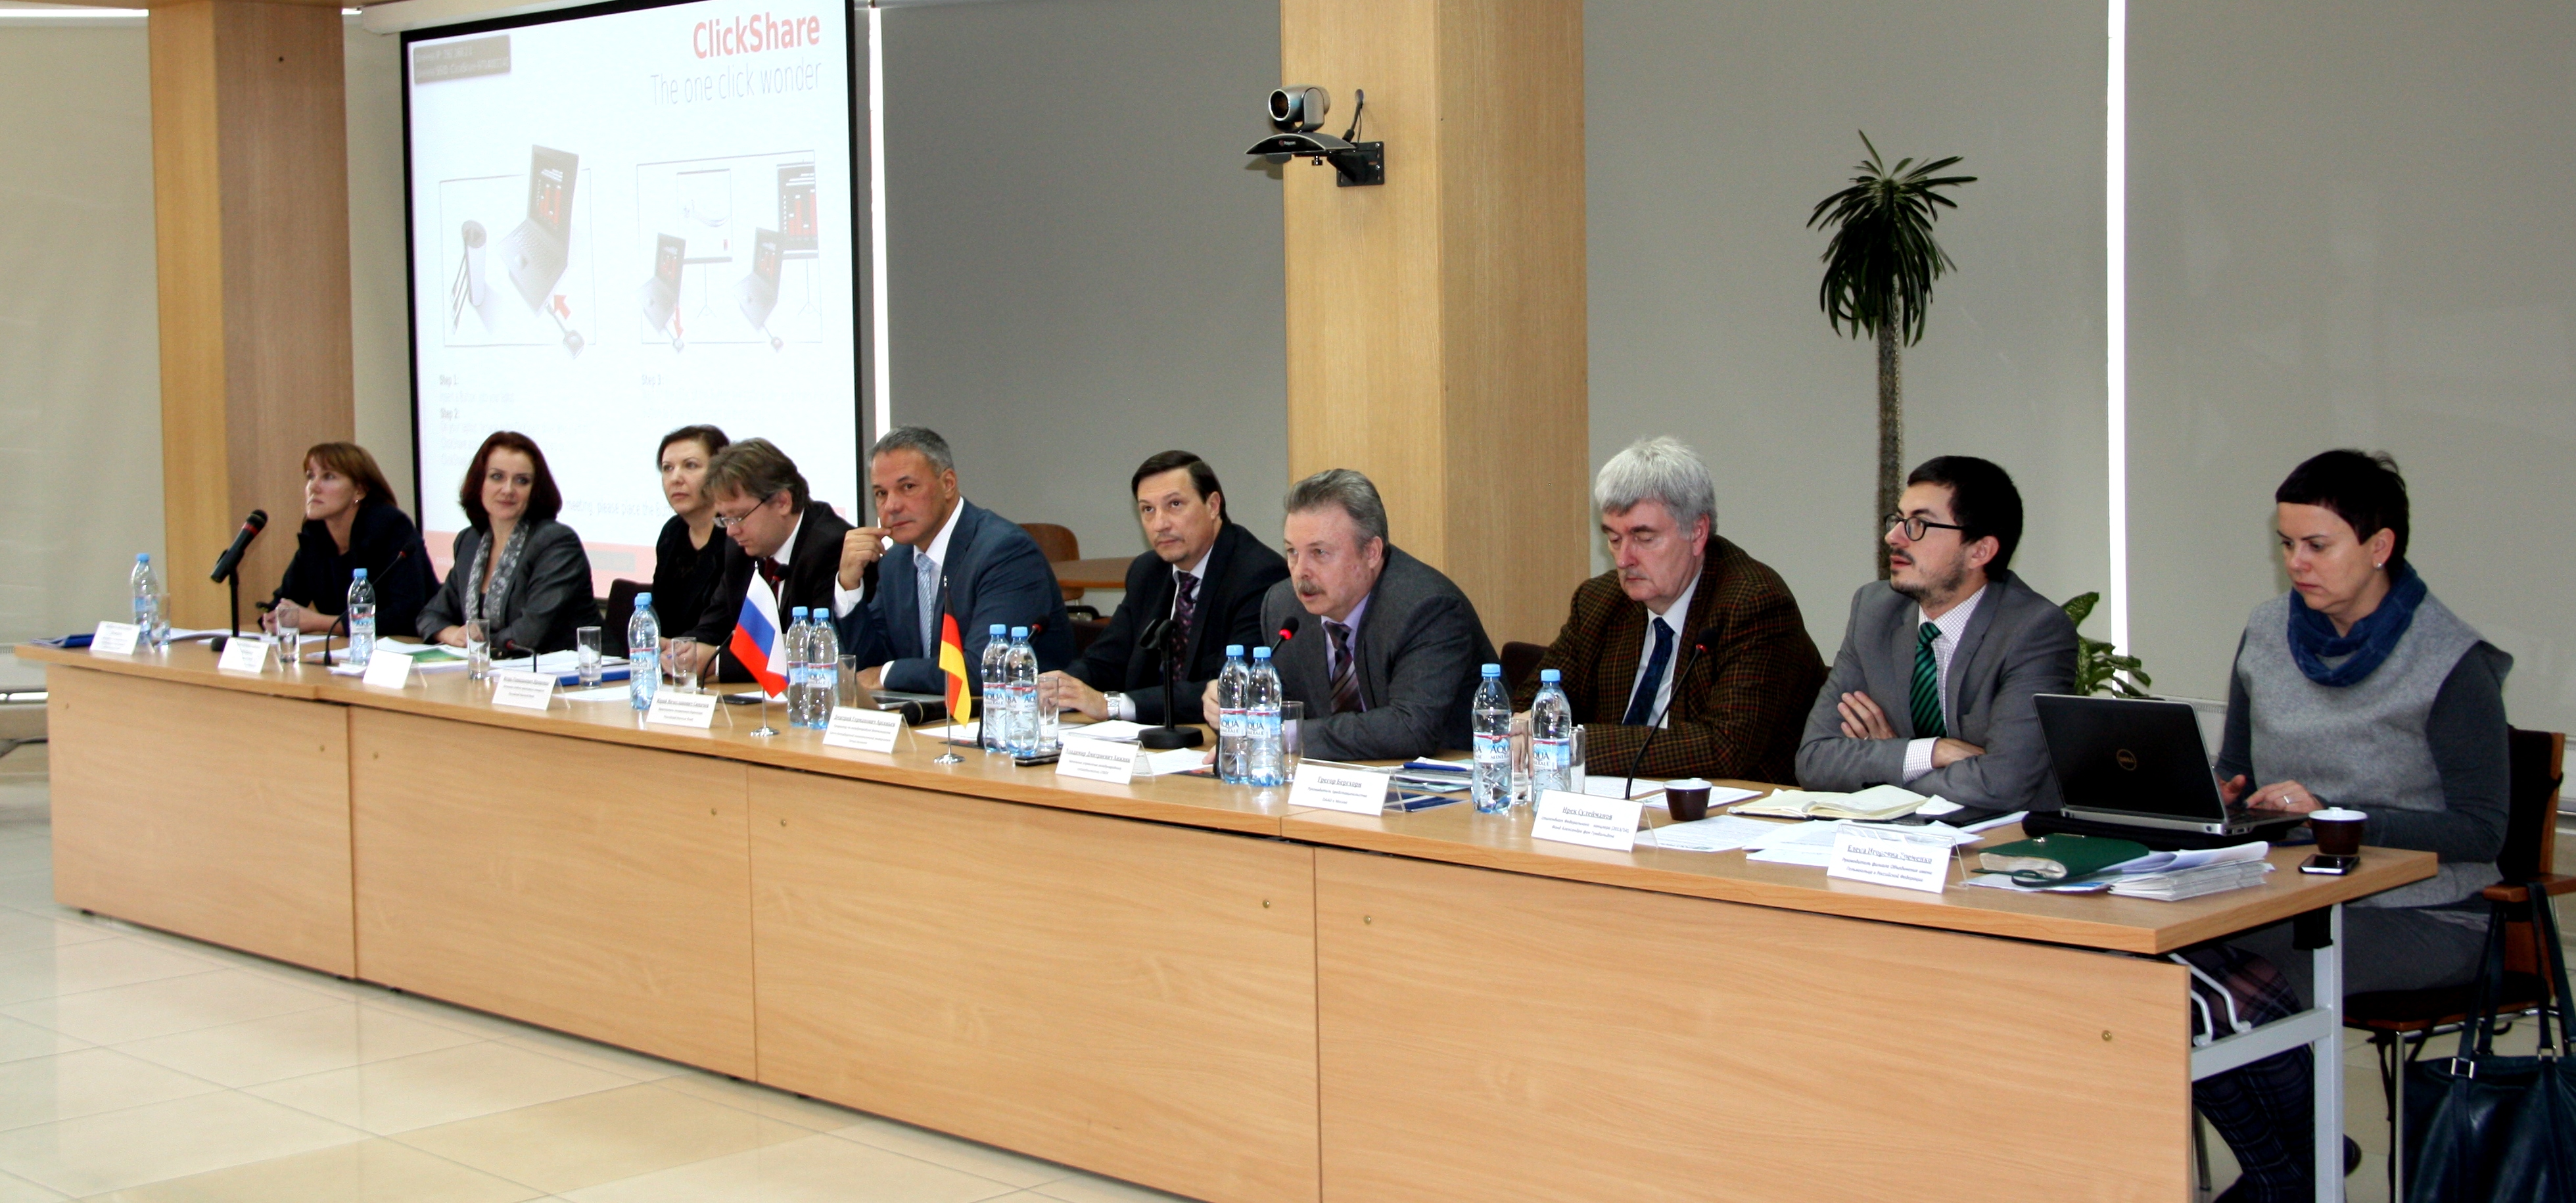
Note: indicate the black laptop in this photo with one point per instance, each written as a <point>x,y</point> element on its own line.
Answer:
<point>2138,763</point>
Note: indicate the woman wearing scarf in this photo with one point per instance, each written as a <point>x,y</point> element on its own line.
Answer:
<point>2358,689</point>
<point>518,572</point>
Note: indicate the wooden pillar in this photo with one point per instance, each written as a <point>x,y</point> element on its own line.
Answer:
<point>1436,324</point>
<point>250,181</point>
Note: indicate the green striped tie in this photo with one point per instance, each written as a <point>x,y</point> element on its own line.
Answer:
<point>1927,685</point>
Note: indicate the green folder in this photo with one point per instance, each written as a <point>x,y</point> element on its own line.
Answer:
<point>2056,858</point>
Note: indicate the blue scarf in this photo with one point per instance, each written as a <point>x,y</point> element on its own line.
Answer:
<point>2313,640</point>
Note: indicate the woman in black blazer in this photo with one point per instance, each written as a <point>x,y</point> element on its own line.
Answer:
<point>687,561</point>
<point>531,593</point>
<point>350,521</point>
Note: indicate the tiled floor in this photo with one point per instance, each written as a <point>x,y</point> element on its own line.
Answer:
<point>138,1066</point>
<point>141,1067</point>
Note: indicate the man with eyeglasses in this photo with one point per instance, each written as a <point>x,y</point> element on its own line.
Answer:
<point>1932,689</point>
<point>776,533</point>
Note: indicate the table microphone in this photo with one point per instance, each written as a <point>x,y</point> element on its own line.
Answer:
<point>1640,761</point>
<point>1286,633</point>
<point>231,559</point>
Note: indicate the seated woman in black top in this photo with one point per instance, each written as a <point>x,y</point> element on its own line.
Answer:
<point>519,573</point>
<point>351,522</point>
<point>686,564</point>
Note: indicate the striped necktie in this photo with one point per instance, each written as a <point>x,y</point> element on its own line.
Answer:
<point>1927,684</point>
<point>1346,670</point>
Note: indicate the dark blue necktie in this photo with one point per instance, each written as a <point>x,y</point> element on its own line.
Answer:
<point>1641,708</point>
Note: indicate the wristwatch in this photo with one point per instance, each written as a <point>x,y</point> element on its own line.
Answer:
<point>1118,706</point>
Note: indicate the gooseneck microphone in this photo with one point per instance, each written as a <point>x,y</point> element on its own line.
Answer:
<point>1286,633</point>
<point>231,559</point>
<point>1651,732</point>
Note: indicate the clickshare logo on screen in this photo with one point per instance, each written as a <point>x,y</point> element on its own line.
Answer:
<point>727,36</point>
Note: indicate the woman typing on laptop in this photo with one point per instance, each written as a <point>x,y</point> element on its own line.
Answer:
<point>2357,689</point>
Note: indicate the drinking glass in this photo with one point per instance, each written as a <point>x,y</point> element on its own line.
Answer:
<point>680,663</point>
<point>1574,767</point>
<point>585,642</point>
<point>160,632</point>
<point>478,656</point>
<point>851,694</point>
<point>1292,739</point>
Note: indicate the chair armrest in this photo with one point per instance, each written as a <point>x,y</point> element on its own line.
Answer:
<point>2551,884</point>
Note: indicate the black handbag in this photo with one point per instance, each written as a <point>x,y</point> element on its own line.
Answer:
<point>2483,1127</point>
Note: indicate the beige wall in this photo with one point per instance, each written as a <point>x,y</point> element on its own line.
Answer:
<point>2348,227</point>
<point>378,308</point>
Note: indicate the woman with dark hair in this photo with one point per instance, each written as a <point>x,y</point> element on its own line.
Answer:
<point>686,562</point>
<point>351,522</point>
<point>2357,689</point>
<point>519,573</point>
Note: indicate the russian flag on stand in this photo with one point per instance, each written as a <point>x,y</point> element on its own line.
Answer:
<point>755,643</point>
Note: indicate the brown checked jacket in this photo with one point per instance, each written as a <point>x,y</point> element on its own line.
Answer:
<point>1738,713</point>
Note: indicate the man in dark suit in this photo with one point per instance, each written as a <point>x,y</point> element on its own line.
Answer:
<point>950,557</point>
<point>1205,572</point>
<point>1732,708</point>
<point>776,534</point>
<point>1932,689</point>
<point>1384,649</point>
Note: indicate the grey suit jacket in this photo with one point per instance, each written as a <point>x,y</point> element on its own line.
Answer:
<point>1418,646</point>
<point>2017,644</point>
<point>548,599</point>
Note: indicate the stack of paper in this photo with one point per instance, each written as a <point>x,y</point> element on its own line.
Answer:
<point>1716,833</point>
<point>2164,876</point>
<point>2178,884</point>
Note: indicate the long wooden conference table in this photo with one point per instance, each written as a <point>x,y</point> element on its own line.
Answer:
<point>1175,982</point>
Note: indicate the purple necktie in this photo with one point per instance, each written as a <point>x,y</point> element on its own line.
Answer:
<point>1185,603</point>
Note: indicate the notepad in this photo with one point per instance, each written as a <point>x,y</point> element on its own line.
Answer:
<point>1878,803</point>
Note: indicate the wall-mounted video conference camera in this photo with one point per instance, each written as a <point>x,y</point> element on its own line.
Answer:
<point>1297,113</point>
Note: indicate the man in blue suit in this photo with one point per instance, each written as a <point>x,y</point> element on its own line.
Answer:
<point>948,556</point>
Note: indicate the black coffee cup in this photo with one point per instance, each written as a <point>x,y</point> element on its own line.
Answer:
<point>2338,830</point>
<point>1686,800</point>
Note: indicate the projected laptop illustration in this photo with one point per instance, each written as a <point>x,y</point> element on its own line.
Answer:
<point>535,250</point>
<point>662,292</point>
<point>759,290</point>
<point>798,225</point>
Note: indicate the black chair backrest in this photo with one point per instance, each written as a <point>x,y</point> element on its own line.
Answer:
<point>2535,758</point>
<point>616,612</point>
<point>1520,663</point>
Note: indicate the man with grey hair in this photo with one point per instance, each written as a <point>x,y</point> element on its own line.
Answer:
<point>935,554</point>
<point>1380,646</point>
<point>1685,632</point>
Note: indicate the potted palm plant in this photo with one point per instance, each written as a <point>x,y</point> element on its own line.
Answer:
<point>1879,269</point>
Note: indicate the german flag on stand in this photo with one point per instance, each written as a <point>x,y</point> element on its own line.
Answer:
<point>952,661</point>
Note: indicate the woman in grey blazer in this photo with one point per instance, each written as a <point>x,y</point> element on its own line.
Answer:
<point>518,572</point>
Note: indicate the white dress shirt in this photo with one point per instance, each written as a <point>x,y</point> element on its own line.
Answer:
<point>842,599</point>
<point>1675,616</point>
<point>1918,752</point>
<point>936,558</point>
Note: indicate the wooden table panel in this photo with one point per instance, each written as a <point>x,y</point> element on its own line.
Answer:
<point>215,814</point>
<point>598,889</point>
<point>1133,998</point>
<point>1487,1035</point>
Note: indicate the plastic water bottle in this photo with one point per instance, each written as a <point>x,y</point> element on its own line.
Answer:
<point>362,619</point>
<point>1551,738</point>
<point>997,691</point>
<point>643,654</point>
<point>823,665</point>
<point>800,669</point>
<point>1264,744</point>
<point>1230,684</point>
<point>1019,668</point>
<point>1493,731</point>
<point>151,625</point>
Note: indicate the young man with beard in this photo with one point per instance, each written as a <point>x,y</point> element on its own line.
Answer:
<point>1932,689</point>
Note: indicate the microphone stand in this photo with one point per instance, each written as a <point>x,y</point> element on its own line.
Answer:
<point>950,756</point>
<point>1171,637</point>
<point>1651,732</point>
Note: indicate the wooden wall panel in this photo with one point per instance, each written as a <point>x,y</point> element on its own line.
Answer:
<point>598,889</point>
<point>1494,1036</point>
<point>218,815</point>
<point>1132,998</point>
<point>250,197</point>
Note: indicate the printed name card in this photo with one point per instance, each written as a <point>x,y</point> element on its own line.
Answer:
<point>861,729</point>
<point>672,708</point>
<point>1572,818</point>
<point>526,691</point>
<point>243,656</point>
<point>1097,760</point>
<point>386,670</point>
<point>114,639</point>
<point>1356,790</point>
<point>1889,857</point>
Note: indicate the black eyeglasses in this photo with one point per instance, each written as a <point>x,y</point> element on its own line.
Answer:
<point>730,521</point>
<point>1914,527</point>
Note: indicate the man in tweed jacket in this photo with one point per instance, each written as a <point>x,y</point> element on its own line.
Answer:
<point>1732,710</point>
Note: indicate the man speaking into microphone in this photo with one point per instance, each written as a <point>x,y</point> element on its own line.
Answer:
<point>1384,649</point>
<point>1685,632</point>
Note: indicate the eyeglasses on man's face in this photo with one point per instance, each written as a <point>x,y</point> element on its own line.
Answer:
<point>1913,526</point>
<point>725,521</point>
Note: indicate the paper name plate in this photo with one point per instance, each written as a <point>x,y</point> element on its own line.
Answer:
<point>1878,803</point>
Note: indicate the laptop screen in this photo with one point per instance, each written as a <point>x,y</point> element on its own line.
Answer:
<point>550,178</point>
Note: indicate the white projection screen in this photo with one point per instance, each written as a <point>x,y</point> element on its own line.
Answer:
<point>626,219</point>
